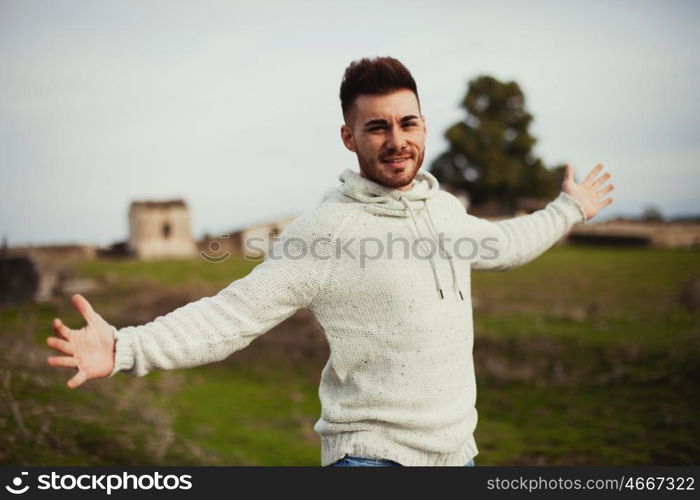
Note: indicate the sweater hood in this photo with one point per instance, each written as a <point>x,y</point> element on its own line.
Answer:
<point>384,200</point>
<point>414,204</point>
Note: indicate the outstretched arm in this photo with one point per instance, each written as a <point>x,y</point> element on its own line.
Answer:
<point>513,242</point>
<point>207,330</point>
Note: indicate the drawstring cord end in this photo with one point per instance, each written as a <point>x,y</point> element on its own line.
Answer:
<point>460,294</point>
<point>441,295</point>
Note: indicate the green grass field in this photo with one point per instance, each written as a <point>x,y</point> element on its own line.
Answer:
<point>586,356</point>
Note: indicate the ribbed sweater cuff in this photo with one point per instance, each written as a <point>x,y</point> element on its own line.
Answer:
<point>370,445</point>
<point>572,209</point>
<point>123,353</point>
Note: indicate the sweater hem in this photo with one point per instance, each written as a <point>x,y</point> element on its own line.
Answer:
<point>371,445</point>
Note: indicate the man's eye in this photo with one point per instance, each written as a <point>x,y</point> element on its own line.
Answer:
<point>374,129</point>
<point>410,124</point>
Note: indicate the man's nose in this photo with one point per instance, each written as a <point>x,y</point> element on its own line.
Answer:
<point>396,139</point>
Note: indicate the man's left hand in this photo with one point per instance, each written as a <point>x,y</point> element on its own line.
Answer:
<point>591,191</point>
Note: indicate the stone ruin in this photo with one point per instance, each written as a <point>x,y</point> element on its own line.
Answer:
<point>160,229</point>
<point>19,279</point>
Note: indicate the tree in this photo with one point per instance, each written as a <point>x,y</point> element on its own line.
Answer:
<point>491,151</point>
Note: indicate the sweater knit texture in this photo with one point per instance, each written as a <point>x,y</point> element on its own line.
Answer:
<point>386,274</point>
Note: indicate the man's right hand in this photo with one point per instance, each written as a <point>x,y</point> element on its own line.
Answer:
<point>90,349</point>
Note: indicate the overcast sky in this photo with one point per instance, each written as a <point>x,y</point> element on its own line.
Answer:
<point>234,106</point>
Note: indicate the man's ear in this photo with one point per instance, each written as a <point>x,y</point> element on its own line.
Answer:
<point>348,139</point>
<point>425,127</point>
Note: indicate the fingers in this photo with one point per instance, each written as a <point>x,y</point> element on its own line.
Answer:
<point>591,175</point>
<point>62,361</point>
<point>568,173</point>
<point>83,307</point>
<point>605,203</point>
<point>61,329</point>
<point>601,180</point>
<point>605,190</point>
<point>60,345</point>
<point>77,380</point>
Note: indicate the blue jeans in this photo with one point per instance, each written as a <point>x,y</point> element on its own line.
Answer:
<point>351,461</point>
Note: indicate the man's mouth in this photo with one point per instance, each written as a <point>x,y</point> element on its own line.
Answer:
<point>397,161</point>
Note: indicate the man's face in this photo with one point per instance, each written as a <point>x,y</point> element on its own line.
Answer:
<point>387,132</point>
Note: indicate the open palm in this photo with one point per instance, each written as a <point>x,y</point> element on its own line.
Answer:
<point>590,192</point>
<point>90,349</point>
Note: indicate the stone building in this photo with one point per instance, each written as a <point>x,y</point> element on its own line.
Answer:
<point>631,232</point>
<point>160,229</point>
<point>253,241</point>
<point>41,272</point>
<point>257,240</point>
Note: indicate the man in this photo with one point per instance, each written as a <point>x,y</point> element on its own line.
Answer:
<point>399,385</point>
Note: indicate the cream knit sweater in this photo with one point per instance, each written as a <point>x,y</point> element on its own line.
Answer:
<point>399,383</point>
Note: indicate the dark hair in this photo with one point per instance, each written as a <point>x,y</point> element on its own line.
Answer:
<point>375,76</point>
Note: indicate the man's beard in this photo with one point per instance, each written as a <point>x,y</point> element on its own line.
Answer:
<point>380,173</point>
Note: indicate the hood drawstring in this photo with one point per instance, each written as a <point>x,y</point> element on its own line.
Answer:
<point>431,226</point>
<point>430,258</point>
<point>449,255</point>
